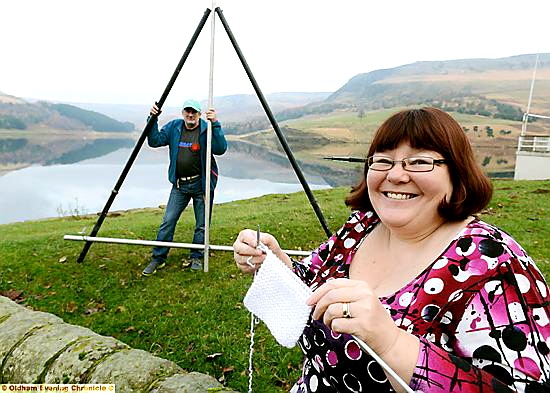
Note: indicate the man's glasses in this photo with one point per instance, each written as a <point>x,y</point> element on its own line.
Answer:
<point>410,164</point>
<point>190,111</point>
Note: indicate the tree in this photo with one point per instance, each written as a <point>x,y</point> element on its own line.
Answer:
<point>11,122</point>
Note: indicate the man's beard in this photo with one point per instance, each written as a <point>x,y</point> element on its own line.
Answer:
<point>190,124</point>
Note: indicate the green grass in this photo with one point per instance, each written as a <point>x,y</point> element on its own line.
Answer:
<point>346,120</point>
<point>186,316</point>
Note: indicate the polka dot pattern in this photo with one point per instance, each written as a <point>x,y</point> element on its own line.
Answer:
<point>480,312</point>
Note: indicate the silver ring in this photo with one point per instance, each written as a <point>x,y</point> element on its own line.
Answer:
<point>249,263</point>
<point>345,310</point>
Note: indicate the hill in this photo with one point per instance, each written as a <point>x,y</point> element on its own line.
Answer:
<point>18,114</point>
<point>489,87</point>
<point>487,97</point>
<point>49,133</point>
<point>7,99</point>
<point>232,108</point>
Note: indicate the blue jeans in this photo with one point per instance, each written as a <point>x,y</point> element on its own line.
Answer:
<point>177,202</point>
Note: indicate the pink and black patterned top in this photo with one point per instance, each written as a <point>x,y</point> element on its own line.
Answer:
<point>481,311</point>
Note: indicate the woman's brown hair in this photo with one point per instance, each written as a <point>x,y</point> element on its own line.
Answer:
<point>432,129</point>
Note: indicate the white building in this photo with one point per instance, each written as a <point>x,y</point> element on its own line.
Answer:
<point>533,154</point>
<point>533,158</point>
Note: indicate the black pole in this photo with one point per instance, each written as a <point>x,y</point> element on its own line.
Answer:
<point>280,135</point>
<point>348,159</point>
<point>141,139</point>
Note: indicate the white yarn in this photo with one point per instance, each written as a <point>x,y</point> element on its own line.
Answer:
<point>278,297</point>
<point>253,322</point>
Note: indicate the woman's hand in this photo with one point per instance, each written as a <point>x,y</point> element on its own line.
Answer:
<point>351,306</point>
<point>246,254</point>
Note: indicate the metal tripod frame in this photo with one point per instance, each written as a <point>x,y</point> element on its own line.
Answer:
<point>152,119</point>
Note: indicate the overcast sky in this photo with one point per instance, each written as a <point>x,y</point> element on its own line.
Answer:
<point>125,51</point>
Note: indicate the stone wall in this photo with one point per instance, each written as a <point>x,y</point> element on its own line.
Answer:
<point>37,347</point>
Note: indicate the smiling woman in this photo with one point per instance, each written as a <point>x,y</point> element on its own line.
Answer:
<point>424,132</point>
<point>449,302</point>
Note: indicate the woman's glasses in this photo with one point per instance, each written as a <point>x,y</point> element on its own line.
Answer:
<point>410,164</point>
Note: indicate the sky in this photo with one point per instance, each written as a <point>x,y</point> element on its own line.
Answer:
<point>126,51</point>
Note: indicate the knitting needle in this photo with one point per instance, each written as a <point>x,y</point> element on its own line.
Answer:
<point>258,246</point>
<point>383,364</point>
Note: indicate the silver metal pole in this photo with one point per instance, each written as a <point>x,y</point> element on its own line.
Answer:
<point>527,113</point>
<point>164,244</point>
<point>207,196</point>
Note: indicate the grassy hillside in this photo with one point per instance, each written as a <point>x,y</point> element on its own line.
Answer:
<point>186,316</point>
<point>486,96</point>
<point>349,133</point>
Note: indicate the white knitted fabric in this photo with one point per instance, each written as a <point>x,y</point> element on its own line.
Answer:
<point>278,297</point>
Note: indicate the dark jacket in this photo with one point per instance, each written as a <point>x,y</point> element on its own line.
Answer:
<point>170,135</point>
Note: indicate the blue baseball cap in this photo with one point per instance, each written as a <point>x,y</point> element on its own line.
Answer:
<point>193,104</point>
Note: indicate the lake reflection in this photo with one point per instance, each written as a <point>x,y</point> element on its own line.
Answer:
<point>52,191</point>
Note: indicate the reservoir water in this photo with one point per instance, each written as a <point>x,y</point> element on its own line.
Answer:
<point>58,190</point>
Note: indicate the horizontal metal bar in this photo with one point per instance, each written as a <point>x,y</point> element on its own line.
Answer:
<point>165,244</point>
<point>539,116</point>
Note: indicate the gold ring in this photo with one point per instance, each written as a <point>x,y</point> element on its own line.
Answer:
<point>345,310</point>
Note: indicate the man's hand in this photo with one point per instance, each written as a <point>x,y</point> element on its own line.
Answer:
<point>211,115</point>
<point>155,111</point>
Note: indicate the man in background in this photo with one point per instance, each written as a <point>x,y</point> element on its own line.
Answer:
<point>186,139</point>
